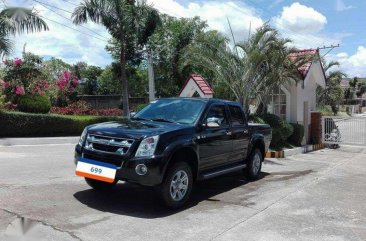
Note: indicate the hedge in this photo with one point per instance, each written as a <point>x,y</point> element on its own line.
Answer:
<point>281,130</point>
<point>34,104</point>
<point>19,124</point>
<point>255,119</point>
<point>297,135</point>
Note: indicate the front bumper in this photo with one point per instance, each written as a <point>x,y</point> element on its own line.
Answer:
<point>126,167</point>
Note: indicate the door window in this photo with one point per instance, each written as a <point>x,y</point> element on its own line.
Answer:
<point>237,116</point>
<point>216,117</point>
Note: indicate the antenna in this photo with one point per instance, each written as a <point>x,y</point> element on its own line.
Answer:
<point>250,29</point>
<point>232,35</point>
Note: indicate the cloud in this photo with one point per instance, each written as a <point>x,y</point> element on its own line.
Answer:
<point>341,6</point>
<point>241,16</point>
<point>275,3</point>
<point>304,26</point>
<point>299,17</point>
<point>353,65</point>
<point>61,41</point>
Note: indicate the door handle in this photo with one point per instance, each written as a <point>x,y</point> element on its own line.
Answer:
<point>228,133</point>
<point>245,131</point>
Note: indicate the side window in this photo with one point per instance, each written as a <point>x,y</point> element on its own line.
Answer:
<point>216,117</point>
<point>237,115</point>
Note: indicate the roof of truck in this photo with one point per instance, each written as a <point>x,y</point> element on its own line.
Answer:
<point>204,99</point>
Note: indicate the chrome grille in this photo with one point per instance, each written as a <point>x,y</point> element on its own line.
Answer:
<point>107,144</point>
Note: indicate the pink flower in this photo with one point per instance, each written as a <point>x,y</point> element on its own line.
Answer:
<point>67,75</point>
<point>18,62</point>
<point>19,90</point>
<point>7,84</point>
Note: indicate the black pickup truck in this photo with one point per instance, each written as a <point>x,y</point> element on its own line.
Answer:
<point>170,144</point>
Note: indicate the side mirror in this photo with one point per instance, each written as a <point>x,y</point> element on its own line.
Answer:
<point>132,114</point>
<point>213,122</point>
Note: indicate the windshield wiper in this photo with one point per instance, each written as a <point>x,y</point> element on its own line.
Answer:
<point>139,118</point>
<point>164,120</point>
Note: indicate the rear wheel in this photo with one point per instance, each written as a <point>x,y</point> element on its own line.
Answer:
<point>177,185</point>
<point>99,185</point>
<point>254,165</point>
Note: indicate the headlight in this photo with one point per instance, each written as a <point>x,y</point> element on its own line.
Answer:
<point>82,137</point>
<point>147,146</point>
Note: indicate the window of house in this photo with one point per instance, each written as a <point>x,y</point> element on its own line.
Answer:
<point>278,103</point>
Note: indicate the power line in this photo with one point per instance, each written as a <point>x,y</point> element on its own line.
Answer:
<point>74,29</point>
<point>52,6</point>
<point>91,30</point>
<point>71,3</point>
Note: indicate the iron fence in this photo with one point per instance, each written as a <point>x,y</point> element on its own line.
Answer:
<point>344,130</point>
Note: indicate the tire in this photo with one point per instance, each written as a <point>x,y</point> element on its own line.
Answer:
<point>99,185</point>
<point>254,165</point>
<point>176,197</point>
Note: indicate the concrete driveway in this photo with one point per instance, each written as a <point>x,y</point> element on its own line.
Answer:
<point>315,196</point>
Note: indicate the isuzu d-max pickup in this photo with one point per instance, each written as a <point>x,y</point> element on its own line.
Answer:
<point>171,144</point>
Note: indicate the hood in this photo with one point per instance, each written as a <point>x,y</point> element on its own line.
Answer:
<point>133,129</point>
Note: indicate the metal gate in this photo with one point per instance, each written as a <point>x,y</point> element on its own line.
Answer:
<point>344,130</point>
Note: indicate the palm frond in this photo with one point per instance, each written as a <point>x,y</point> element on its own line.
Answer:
<point>15,20</point>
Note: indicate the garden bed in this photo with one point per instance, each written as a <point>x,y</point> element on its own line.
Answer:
<point>19,124</point>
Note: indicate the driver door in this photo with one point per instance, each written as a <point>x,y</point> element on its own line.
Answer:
<point>215,140</point>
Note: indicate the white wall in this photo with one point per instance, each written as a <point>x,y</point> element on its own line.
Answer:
<point>191,88</point>
<point>306,92</point>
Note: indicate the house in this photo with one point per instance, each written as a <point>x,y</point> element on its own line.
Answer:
<point>295,101</point>
<point>196,86</point>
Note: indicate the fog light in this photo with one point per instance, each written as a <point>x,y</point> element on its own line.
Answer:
<point>141,169</point>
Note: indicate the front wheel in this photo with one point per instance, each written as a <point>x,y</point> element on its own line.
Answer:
<point>254,165</point>
<point>177,185</point>
<point>99,185</point>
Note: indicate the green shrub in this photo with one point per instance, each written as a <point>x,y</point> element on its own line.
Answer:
<point>255,119</point>
<point>281,130</point>
<point>18,124</point>
<point>297,136</point>
<point>140,107</point>
<point>34,103</point>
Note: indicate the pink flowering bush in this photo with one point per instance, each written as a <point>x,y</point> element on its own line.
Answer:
<point>19,90</point>
<point>66,85</point>
<point>38,87</point>
<point>18,62</point>
<point>82,108</point>
<point>24,79</point>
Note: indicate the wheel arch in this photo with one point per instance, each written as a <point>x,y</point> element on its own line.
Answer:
<point>257,142</point>
<point>186,154</point>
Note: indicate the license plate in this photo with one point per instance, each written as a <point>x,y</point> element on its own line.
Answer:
<point>96,170</point>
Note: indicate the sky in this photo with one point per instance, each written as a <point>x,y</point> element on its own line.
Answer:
<point>308,23</point>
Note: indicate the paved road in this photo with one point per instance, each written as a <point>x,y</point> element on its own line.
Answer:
<point>315,196</point>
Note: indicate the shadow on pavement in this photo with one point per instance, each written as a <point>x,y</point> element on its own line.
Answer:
<point>143,202</point>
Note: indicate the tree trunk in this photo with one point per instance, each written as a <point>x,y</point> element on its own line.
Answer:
<point>124,81</point>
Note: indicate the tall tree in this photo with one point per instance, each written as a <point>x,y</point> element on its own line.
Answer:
<point>17,20</point>
<point>252,68</point>
<point>129,22</point>
<point>332,93</point>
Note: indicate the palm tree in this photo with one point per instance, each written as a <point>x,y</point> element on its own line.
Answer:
<point>129,22</point>
<point>332,93</point>
<point>252,68</point>
<point>17,20</point>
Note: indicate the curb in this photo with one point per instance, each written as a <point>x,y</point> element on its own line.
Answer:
<point>295,151</point>
<point>38,141</point>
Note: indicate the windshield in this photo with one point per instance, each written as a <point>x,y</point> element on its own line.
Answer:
<point>182,111</point>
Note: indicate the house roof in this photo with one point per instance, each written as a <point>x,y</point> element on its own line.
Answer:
<point>344,83</point>
<point>304,69</point>
<point>201,83</point>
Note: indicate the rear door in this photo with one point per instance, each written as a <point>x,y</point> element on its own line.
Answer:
<point>215,141</point>
<point>240,133</point>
